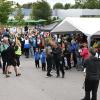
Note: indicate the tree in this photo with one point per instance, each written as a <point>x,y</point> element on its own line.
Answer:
<point>58,6</point>
<point>91,4</point>
<point>87,4</point>
<point>41,10</point>
<point>5,10</point>
<point>98,4</point>
<point>79,4</point>
<point>19,15</point>
<point>67,6</point>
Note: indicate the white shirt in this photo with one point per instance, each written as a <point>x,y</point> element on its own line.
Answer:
<point>97,55</point>
<point>26,41</point>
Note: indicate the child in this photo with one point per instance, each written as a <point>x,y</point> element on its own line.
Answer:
<point>43,60</point>
<point>37,57</point>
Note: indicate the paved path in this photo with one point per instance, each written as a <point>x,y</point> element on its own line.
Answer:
<point>34,85</point>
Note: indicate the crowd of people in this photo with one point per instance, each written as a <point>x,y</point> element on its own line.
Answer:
<point>54,52</point>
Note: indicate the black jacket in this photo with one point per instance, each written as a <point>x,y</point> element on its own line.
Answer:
<point>92,68</point>
<point>56,53</point>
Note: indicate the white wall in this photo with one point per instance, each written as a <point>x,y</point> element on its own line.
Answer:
<point>61,13</point>
<point>25,17</point>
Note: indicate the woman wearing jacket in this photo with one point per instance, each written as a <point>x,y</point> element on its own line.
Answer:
<point>18,53</point>
<point>85,52</point>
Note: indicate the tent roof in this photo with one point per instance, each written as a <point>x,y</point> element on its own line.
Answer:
<point>89,26</point>
<point>97,33</point>
<point>49,27</point>
<point>63,27</point>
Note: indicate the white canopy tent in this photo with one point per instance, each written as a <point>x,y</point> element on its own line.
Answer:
<point>88,26</point>
<point>64,27</point>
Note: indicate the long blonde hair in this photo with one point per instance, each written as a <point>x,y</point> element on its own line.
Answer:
<point>17,42</point>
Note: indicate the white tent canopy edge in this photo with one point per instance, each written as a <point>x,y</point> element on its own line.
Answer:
<point>88,26</point>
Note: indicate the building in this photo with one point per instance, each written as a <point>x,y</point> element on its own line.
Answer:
<point>62,13</point>
<point>26,13</point>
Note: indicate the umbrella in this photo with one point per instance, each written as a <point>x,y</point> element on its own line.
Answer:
<point>30,21</point>
<point>12,21</point>
<point>41,20</point>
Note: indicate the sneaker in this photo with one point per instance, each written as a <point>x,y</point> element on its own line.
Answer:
<point>83,98</point>
<point>57,76</point>
<point>18,74</point>
<point>9,72</point>
<point>49,75</point>
<point>62,76</point>
<point>7,76</point>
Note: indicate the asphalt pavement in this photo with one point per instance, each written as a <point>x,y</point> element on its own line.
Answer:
<point>34,85</point>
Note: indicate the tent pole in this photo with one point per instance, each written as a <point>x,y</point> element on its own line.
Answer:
<point>89,41</point>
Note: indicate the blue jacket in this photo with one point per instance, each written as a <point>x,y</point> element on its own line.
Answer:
<point>43,57</point>
<point>73,48</point>
<point>36,56</point>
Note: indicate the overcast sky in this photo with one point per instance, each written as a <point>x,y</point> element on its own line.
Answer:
<point>51,2</point>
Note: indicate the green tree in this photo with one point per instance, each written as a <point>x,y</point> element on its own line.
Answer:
<point>67,6</point>
<point>5,10</point>
<point>87,4</point>
<point>98,4</point>
<point>58,6</point>
<point>41,10</point>
<point>79,4</point>
<point>91,4</point>
<point>19,15</point>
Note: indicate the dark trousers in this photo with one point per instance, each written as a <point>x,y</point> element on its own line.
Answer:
<point>59,68</point>
<point>49,68</point>
<point>34,49</point>
<point>44,66</point>
<point>0,64</point>
<point>69,60</point>
<point>91,86</point>
<point>74,59</point>
<point>18,60</point>
<point>4,64</point>
<point>62,69</point>
<point>27,52</point>
<point>37,63</point>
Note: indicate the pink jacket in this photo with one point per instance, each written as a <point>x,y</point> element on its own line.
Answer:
<point>85,53</point>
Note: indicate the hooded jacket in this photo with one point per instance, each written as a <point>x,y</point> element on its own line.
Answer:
<point>92,65</point>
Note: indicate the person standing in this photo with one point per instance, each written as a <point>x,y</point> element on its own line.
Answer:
<point>26,46</point>
<point>85,52</point>
<point>11,60</point>
<point>49,58</point>
<point>43,60</point>
<point>26,29</point>
<point>67,54</point>
<point>18,53</point>
<point>92,65</point>
<point>3,48</point>
<point>56,53</point>
<point>37,58</point>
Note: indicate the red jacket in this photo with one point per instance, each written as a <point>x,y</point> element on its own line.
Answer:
<point>85,53</point>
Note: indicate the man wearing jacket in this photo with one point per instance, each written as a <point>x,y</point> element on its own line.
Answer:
<point>92,65</point>
<point>56,54</point>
